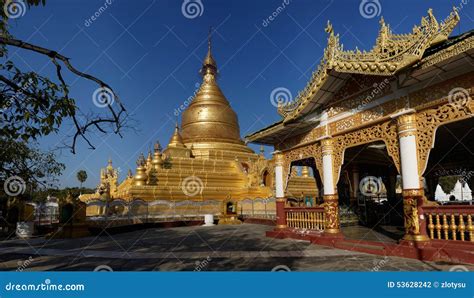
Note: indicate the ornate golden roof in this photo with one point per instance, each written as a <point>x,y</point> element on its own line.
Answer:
<point>210,122</point>
<point>391,53</point>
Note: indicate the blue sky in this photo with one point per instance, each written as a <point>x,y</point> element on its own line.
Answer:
<point>150,52</point>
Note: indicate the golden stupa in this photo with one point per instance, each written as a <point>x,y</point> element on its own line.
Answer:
<point>205,169</point>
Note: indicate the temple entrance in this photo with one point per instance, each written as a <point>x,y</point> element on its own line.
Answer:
<point>370,199</point>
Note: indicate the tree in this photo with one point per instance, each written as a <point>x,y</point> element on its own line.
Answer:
<point>81,176</point>
<point>447,183</point>
<point>33,106</point>
<point>25,166</point>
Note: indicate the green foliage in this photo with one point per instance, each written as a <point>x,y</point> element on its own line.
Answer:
<point>447,183</point>
<point>36,168</point>
<point>81,176</point>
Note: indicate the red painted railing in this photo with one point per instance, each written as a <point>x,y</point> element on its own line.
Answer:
<point>450,222</point>
<point>311,218</point>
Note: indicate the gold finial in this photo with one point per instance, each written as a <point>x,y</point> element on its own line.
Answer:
<point>209,35</point>
<point>176,139</point>
<point>129,174</point>
<point>329,28</point>
<point>157,147</point>
<point>209,65</point>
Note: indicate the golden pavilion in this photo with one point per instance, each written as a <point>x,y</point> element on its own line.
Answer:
<point>205,169</point>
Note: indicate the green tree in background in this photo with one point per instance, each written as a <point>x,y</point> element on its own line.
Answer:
<point>81,176</point>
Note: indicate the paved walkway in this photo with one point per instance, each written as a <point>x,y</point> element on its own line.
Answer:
<point>242,247</point>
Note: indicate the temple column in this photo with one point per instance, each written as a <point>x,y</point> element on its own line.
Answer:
<point>331,202</point>
<point>279,191</point>
<point>413,192</point>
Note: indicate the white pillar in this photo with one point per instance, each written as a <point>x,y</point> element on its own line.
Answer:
<point>408,151</point>
<point>328,173</point>
<point>279,190</point>
<point>413,193</point>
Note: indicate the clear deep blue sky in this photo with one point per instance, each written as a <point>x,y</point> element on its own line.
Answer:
<point>150,53</point>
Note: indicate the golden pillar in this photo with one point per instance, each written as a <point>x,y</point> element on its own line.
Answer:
<point>331,200</point>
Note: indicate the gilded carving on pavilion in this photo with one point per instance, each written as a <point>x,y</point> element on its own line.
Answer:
<point>391,53</point>
<point>358,92</point>
<point>386,132</point>
<point>436,94</point>
<point>452,51</point>
<point>410,215</point>
<point>429,120</point>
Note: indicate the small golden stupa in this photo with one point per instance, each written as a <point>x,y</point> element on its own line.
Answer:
<point>205,163</point>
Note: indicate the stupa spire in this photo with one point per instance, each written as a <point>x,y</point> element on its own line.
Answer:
<point>209,65</point>
<point>176,139</point>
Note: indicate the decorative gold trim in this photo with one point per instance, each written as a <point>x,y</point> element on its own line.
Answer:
<point>280,200</point>
<point>391,53</point>
<point>406,125</point>
<point>333,197</point>
<point>281,226</point>
<point>279,159</point>
<point>413,192</point>
<point>429,120</point>
<point>385,131</point>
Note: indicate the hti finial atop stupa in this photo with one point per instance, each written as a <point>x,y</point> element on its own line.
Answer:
<point>209,122</point>
<point>209,65</point>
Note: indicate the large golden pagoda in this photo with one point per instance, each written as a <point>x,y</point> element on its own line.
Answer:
<point>205,169</point>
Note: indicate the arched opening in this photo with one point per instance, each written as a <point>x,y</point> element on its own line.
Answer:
<point>266,179</point>
<point>449,174</point>
<point>245,167</point>
<point>303,190</point>
<point>369,204</point>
